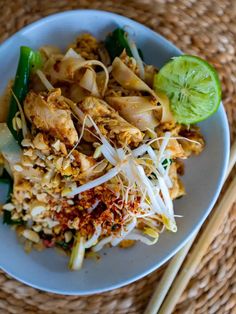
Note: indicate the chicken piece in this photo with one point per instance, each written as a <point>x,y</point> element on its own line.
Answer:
<point>110,123</point>
<point>50,113</point>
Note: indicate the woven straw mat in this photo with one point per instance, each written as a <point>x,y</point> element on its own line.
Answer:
<point>205,28</point>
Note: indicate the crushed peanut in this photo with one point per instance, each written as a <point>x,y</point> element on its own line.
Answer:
<point>39,142</point>
<point>31,235</point>
<point>8,206</point>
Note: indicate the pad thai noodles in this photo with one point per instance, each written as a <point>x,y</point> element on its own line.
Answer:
<point>91,154</point>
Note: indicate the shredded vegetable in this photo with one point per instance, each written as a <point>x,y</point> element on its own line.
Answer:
<point>77,254</point>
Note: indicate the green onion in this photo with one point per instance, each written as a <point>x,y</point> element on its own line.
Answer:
<point>140,53</point>
<point>6,186</point>
<point>166,162</point>
<point>63,245</point>
<point>29,61</point>
<point>116,42</point>
<point>9,221</point>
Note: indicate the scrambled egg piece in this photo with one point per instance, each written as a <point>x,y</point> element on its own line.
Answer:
<point>87,46</point>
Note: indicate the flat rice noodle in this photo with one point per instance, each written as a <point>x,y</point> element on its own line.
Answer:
<point>166,115</point>
<point>129,80</point>
<point>150,71</point>
<point>137,110</point>
<point>52,70</point>
<point>77,93</point>
<point>64,69</point>
<point>44,80</point>
<point>71,53</point>
<point>100,79</point>
<point>47,51</point>
<point>88,82</point>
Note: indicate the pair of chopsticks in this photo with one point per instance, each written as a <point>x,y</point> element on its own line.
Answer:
<point>173,284</point>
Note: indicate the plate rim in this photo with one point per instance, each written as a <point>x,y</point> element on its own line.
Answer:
<point>226,145</point>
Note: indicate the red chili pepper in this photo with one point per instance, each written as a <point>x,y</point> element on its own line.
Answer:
<point>49,243</point>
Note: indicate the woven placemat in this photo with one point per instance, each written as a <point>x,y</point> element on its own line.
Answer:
<point>205,28</point>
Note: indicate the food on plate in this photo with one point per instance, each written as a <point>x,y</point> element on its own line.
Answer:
<point>92,150</point>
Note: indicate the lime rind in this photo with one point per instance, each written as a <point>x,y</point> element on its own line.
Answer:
<point>193,87</point>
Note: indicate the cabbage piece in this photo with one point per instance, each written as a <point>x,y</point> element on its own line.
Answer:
<point>137,110</point>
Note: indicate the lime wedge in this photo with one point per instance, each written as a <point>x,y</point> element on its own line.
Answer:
<point>193,88</point>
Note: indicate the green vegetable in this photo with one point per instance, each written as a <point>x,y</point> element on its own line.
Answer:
<point>9,221</point>
<point>63,245</point>
<point>6,186</point>
<point>166,162</point>
<point>6,189</point>
<point>28,61</point>
<point>116,42</point>
<point>140,53</point>
<point>193,88</point>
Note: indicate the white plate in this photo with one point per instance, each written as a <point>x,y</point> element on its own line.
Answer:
<point>203,180</point>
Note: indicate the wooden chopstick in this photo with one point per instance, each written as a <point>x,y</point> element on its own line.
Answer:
<point>167,278</point>
<point>176,262</point>
<point>199,250</point>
